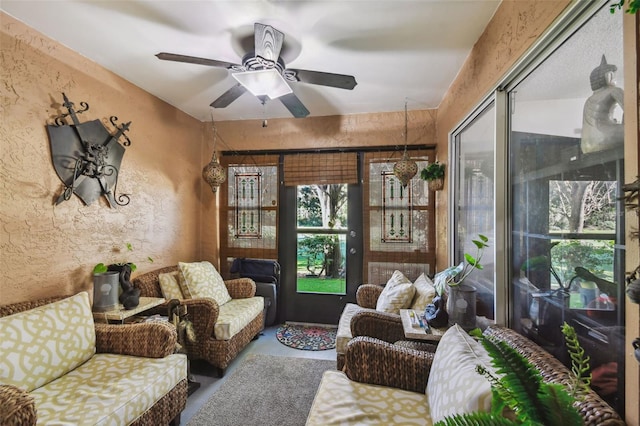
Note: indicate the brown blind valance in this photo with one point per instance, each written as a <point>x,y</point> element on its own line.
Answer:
<point>320,168</point>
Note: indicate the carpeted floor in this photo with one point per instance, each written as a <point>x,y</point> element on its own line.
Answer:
<point>307,337</point>
<point>265,390</point>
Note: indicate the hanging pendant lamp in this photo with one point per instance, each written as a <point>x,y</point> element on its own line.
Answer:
<point>213,173</point>
<point>406,168</point>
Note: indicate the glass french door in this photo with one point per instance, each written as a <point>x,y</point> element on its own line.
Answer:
<point>320,251</point>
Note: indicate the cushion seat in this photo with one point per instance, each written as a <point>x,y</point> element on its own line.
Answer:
<point>346,402</point>
<point>87,395</point>
<point>236,314</point>
<point>344,335</point>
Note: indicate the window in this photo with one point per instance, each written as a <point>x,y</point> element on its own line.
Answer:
<point>565,171</point>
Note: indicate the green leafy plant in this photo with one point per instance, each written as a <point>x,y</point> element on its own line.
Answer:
<point>634,5</point>
<point>455,275</point>
<point>519,394</point>
<point>433,171</point>
<point>101,267</point>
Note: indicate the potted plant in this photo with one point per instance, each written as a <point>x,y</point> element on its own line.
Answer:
<point>520,395</point>
<point>434,175</point>
<point>130,296</point>
<point>461,297</point>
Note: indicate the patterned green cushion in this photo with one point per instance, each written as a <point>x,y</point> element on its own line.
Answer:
<point>340,401</point>
<point>425,292</point>
<point>202,280</point>
<point>108,389</point>
<point>397,294</point>
<point>235,315</point>
<point>42,344</point>
<point>454,386</point>
<point>170,285</point>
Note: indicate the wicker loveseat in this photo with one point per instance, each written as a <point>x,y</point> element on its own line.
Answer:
<point>58,367</point>
<point>397,384</point>
<point>204,313</point>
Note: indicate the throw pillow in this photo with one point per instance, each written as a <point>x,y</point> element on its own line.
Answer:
<point>202,280</point>
<point>170,286</point>
<point>454,386</point>
<point>397,294</point>
<point>425,292</point>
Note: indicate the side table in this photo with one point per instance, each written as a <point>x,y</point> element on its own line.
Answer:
<point>120,314</point>
<point>416,332</point>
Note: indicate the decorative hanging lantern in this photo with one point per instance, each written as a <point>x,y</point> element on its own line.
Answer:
<point>213,173</point>
<point>406,168</point>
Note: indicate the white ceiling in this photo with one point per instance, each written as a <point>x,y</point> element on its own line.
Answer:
<point>397,50</point>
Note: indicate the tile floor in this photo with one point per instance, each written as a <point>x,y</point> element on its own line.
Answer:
<point>267,344</point>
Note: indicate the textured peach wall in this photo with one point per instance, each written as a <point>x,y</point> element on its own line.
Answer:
<point>50,250</point>
<point>359,130</point>
<point>513,29</point>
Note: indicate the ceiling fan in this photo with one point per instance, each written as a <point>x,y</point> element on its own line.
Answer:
<point>263,73</point>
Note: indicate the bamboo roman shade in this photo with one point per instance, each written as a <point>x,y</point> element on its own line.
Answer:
<point>320,168</point>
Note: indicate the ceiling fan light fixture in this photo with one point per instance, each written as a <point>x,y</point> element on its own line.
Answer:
<point>267,82</point>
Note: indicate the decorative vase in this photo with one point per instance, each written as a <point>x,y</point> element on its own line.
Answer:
<point>106,286</point>
<point>436,184</point>
<point>130,297</point>
<point>461,306</point>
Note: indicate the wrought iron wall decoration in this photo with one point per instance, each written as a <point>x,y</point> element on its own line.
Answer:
<point>87,157</point>
<point>248,205</point>
<point>396,210</point>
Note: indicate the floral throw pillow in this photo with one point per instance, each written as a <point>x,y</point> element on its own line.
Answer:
<point>201,280</point>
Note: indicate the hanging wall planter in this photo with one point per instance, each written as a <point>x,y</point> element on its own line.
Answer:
<point>434,175</point>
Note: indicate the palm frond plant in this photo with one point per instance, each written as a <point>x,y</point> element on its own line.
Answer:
<point>519,394</point>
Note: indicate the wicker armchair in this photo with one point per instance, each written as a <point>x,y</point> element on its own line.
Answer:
<point>150,340</point>
<point>203,313</point>
<point>380,325</point>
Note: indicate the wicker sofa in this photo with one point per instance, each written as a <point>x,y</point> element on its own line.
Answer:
<point>58,367</point>
<point>204,314</point>
<point>411,383</point>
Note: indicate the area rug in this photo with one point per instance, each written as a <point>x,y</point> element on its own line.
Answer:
<point>265,390</point>
<point>307,337</point>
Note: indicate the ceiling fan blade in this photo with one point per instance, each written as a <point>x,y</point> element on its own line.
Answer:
<point>340,81</point>
<point>229,96</point>
<point>294,105</point>
<point>195,60</point>
<point>267,42</point>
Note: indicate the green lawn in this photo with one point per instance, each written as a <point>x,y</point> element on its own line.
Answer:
<point>321,285</point>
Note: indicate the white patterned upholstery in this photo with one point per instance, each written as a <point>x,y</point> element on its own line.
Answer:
<point>200,280</point>
<point>170,285</point>
<point>397,294</point>
<point>235,315</point>
<point>345,402</point>
<point>343,336</point>
<point>454,386</point>
<point>425,292</point>
<point>89,394</point>
<point>42,344</point>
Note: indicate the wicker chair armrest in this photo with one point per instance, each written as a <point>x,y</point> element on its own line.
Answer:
<point>241,288</point>
<point>375,362</point>
<point>367,295</point>
<point>381,325</point>
<point>593,409</point>
<point>18,407</point>
<point>150,340</point>
<point>203,313</point>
